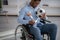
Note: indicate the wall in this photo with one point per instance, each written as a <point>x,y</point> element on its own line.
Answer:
<point>14,6</point>
<point>53,7</point>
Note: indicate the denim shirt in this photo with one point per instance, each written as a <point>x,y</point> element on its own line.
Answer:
<point>23,18</point>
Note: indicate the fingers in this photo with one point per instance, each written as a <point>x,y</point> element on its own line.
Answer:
<point>31,22</point>
<point>28,14</point>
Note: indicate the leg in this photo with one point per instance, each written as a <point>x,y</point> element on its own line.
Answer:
<point>50,28</point>
<point>36,32</point>
<point>53,32</point>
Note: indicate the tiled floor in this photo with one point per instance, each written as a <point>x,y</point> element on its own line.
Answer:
<point>9,27</point>
<point>11,24</point>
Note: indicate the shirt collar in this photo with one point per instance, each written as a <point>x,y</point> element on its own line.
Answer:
<point>30,6</point>
<point>33,8</point>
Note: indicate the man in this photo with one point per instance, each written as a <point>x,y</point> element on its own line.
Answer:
<point>39,27</point>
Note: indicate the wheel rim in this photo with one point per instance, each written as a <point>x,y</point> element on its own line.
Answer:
<point>18,33</point>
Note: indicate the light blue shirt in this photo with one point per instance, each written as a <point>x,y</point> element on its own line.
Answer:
<point>23,14</point>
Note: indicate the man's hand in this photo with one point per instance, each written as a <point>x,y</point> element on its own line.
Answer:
<point>32,22</point>
<point>43,16</point>
<point>28,14</point>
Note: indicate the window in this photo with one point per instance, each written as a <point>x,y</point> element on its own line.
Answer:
<point>0,4</point>
<point>5,2</point>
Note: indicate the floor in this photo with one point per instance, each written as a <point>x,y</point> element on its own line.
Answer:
<point>7,27</point>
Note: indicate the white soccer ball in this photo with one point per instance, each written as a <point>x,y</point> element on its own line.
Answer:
<point>40,11</point>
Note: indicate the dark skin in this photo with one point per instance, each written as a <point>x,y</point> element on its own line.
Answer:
<point>33,4</point>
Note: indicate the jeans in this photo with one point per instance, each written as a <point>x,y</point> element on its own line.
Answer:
<point>49,28</point>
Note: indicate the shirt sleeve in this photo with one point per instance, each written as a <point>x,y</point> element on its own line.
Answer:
<point>21,16</point>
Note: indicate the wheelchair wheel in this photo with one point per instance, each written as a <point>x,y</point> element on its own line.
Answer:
<point>46,37</point>
<point>19,34</point>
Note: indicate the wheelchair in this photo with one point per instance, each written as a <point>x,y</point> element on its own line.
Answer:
<point>21,33</point>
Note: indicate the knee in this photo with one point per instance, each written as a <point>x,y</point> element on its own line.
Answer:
<point>54,26</point>
<point>35,29</point>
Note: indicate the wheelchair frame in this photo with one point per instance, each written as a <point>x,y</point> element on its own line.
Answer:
<point>26,35</point>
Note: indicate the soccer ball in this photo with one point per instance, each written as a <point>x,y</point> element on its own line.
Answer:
<point>39,12</point>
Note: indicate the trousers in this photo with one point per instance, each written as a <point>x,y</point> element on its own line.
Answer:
<point>47,28</point>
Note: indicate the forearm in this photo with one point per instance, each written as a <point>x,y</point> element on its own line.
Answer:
<point>22,21</point>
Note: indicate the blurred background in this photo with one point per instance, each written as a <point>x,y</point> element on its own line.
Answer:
<point>9,11</point>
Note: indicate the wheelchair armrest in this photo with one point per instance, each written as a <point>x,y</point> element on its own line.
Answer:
<point>45,21</point>
<point>48,21</point>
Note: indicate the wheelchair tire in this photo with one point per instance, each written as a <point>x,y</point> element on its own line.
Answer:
<point>19,34</point>
<point>23,36</point>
